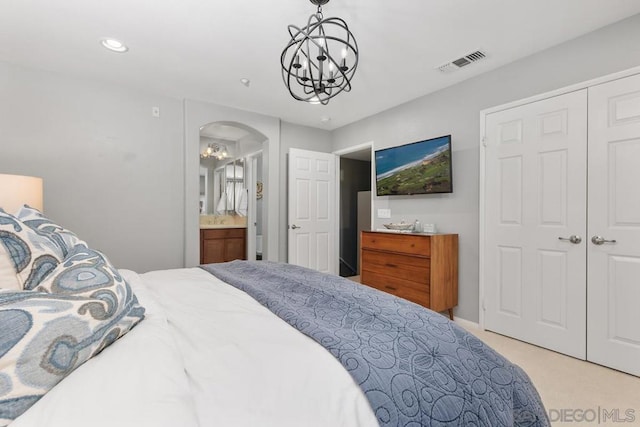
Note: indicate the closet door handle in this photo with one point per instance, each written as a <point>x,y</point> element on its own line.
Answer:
<point>573,239</point>
<point>599,240</point>
<point>295,227</point>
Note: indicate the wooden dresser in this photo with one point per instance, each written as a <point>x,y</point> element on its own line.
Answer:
<point>422,268</point>
<point>222,244</point>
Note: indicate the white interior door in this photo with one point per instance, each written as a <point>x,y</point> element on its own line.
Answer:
<point>614,215</point>
<point>535,223</point>
<point>312,220</point>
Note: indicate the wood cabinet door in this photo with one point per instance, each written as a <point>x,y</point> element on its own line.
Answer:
<point>234,248</point>
<point>222,245</point>
<point>213,251</point>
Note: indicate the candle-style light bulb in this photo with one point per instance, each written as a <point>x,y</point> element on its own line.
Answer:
<point>321,56</point>
<point>343,66</point>
<point>331,79</point>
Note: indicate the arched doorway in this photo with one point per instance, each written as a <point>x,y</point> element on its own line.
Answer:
<point>198,114</point>
<point>231,178</point>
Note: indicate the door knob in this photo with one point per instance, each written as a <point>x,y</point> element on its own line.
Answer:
<point>599,240</point>
<point>573,239</point>
<point>295,227</point>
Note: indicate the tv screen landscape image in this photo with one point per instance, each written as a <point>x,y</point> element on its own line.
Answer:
<point>422,167</point>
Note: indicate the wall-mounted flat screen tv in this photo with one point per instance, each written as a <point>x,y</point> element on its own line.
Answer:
<point>422,167</point>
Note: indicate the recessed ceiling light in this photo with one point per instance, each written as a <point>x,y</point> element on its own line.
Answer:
<point>325,119</point>
<point>113,45</point>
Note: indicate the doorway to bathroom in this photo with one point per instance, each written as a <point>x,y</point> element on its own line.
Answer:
<point>231,192</point>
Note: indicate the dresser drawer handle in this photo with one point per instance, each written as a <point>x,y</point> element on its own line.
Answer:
<point>391,288</point>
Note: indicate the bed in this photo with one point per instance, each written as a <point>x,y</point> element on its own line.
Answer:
<point>254,344</point>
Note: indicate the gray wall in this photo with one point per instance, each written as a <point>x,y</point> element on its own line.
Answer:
<point>455,111</point>
<point>122,179</point>
<point>112,173</point>
<point>306,138</point>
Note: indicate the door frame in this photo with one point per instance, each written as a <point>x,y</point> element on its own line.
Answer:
<point>339,154</point>
<point>482,188</point>
<point>251,179</point>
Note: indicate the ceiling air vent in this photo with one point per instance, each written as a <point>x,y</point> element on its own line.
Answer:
<point>462,62</point>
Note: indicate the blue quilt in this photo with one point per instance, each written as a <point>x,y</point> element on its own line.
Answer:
<point>415,366</point>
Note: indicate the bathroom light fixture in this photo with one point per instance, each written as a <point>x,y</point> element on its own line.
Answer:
<point>320,59</point>
<point>217,151</point>
<point>113,45</point>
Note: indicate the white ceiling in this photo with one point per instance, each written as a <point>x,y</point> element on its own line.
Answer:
<point>201,49</point>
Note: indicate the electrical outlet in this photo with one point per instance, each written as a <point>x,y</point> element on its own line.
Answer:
<point>384,213</point>
<point>155,111</point>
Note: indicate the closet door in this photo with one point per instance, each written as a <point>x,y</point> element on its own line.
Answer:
<point>614,225</point>
<point>535,223</point>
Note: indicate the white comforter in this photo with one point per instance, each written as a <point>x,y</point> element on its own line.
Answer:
<point>207,354</point>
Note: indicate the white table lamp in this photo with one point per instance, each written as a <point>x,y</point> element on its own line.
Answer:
<point>18,190</point>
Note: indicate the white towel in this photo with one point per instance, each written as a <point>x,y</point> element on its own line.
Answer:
<point>222,204</point>
<point>242,202</point>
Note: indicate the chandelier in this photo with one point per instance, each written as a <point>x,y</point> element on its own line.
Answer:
<point>217,151</point>
<point>320,59</point>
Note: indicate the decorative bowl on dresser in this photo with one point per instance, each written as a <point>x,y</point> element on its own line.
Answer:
<point>422,268</point>
<point>404,226</point>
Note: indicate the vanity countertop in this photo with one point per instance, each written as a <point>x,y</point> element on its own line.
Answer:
<point>216,226</point>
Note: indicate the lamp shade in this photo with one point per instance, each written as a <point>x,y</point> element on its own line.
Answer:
<point>18,190</point>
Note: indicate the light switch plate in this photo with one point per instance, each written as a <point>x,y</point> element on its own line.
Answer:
<point>384,213</point>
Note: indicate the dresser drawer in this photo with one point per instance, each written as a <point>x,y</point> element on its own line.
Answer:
<point>390,282</point>
<point>400,243</point>
<point>407,267</point>
<point>412,291</point>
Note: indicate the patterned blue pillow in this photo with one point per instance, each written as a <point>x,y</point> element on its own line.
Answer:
<point>82,307</point>
<point>60,236</point>
<point>31,255</point>
<point>84,272</point>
